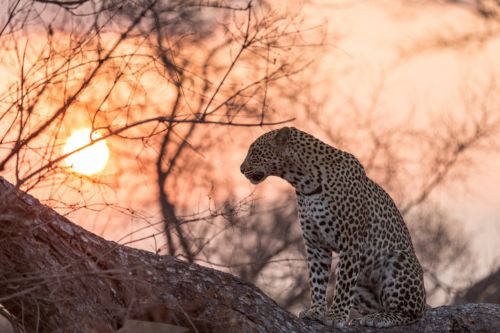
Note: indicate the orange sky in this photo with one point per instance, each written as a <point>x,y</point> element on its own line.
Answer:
<point>372,33</point>
<point>365,38</point>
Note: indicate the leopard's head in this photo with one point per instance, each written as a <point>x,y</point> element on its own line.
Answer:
<point>266,155</point>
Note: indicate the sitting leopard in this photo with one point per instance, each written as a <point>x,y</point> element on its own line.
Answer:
<point>342,210</point>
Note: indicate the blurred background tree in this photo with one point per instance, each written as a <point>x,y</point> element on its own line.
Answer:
<point>178,89</point>
<point>158,79</point>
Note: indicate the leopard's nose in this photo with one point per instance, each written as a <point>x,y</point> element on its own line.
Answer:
<point>242,168</point>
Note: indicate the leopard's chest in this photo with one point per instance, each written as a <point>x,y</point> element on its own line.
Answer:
<point>310,206</point>
<point>318,222</point>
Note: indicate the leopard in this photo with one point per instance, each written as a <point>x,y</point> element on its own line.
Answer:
<point>379,279</point>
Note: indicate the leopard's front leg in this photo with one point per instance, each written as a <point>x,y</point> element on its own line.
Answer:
<point>347,274</point>
<point>319,261</point>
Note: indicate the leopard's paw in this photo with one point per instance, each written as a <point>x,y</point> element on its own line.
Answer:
<point>332,319</point>
<point>369,321</point>
<point>313,313</point>
<point>385,319</point>
<point>355,322</point>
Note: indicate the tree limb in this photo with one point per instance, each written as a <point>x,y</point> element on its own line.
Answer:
<point>57,277</point>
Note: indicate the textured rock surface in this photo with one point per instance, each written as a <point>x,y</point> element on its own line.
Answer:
<point>58,277</point>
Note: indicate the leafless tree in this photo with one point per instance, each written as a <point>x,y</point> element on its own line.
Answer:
<point>412,163</point>
<point>485,290</point>
<point>162,81</point>
<point>157,79</point>
<point>485,29</point>
<point>479,36</point>
<point>162,76</point>
<point>81,282</point>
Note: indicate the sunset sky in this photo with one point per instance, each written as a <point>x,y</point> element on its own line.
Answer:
<point>433,81</point>
<point>390,62</point>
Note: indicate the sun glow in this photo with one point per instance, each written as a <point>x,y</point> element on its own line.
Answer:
<point>89,160</point>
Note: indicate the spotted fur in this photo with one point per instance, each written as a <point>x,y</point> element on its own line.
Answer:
<point>342,210</point>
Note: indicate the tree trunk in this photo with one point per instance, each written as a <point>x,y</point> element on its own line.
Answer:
<point>485,290</point>
<point>57,277</point>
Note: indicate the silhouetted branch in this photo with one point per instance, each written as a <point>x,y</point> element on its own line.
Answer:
<point>57,277</point>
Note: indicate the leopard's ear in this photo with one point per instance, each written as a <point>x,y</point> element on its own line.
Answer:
<point>281,137</point>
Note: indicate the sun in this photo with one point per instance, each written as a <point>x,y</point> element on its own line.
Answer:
<point>89,160</point>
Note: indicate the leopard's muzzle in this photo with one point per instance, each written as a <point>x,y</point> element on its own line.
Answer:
<point>255,176</point>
